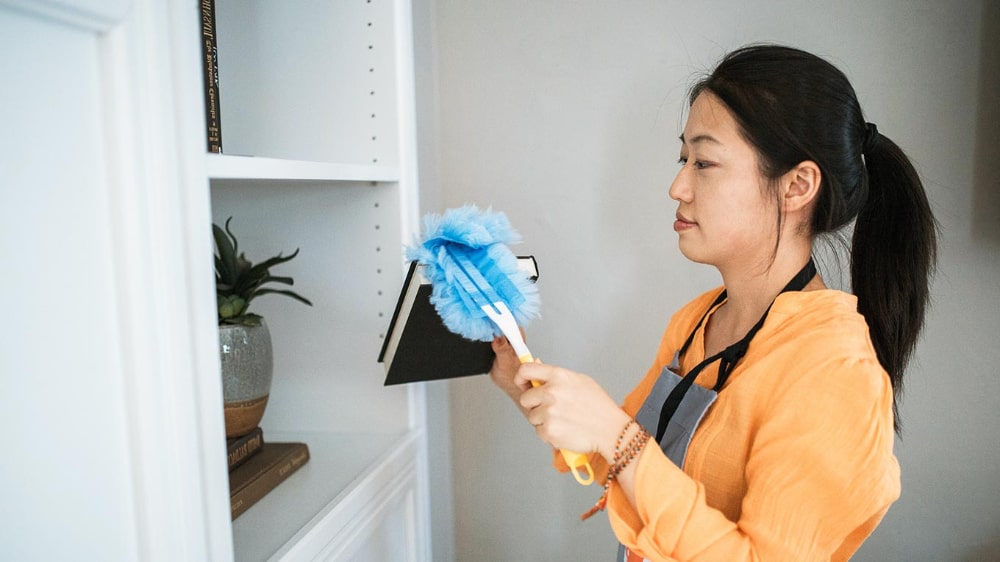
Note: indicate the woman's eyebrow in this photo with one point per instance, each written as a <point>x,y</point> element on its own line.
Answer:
<point>699,139</point>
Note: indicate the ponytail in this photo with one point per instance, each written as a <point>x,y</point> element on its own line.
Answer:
<point>892,256</point>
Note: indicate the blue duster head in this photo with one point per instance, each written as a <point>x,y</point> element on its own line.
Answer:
<point>482,236</point>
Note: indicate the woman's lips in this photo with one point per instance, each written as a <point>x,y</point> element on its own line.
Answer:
<point>683,223</point>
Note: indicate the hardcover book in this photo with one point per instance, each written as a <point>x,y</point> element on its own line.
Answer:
<point>418,346</point>
<point>210,62</point>
<point>262,473</point>
<point>239,449</point>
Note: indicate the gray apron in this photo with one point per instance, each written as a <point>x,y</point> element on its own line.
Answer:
<point>675,406</point>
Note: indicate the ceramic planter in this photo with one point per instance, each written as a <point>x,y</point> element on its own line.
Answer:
<point>247,366</point>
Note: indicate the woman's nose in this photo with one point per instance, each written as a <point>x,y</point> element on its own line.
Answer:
<point>680,189</point>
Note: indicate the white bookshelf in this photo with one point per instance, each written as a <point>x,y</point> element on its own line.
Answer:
<point>317,130</point>
<point>317,123</point>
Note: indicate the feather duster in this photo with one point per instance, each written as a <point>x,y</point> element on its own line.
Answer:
<point>482,236</point>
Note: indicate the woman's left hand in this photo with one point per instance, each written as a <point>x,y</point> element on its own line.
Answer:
<point>570,410</point>
<point>505,367</point>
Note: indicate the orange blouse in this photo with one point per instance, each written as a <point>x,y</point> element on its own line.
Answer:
<point>794,461</point>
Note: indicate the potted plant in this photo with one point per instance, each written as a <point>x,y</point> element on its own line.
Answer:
<point>244,339</point>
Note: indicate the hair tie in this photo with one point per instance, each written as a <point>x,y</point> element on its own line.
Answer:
<point>871,138</point>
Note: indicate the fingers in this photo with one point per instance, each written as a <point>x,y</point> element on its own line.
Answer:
<point>500,344</point>
<point>532,397</point>
<point>536,418</point>
<point>568,410</point>
<point>535,395</point>
<point>537,371</point>
<point>549,427</point>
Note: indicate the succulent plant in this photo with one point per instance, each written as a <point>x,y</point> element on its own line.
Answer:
<point>238,281</point>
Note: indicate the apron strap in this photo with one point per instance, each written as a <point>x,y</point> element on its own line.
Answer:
<point>729,357</point>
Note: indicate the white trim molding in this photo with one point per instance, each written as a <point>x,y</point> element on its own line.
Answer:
<point>163,255</point>
<point>91,15</point>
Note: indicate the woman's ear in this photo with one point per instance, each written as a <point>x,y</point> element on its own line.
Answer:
<point>801,186</point>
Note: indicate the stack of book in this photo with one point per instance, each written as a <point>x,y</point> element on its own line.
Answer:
<point>256,467</point>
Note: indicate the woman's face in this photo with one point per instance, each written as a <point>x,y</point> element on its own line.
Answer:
<point>724,216</point>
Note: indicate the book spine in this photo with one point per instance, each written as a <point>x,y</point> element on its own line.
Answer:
<point>210,60</point>
<point>253,492</point>
<point>242,448</point>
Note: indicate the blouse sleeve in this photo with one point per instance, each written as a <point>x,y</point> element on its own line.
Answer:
<point>820,470</point>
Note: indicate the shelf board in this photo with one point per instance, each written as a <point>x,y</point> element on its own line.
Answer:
<point>227,166</point>
<point>337,466</point>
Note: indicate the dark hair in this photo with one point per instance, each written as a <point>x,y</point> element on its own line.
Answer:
<point>792,106</point>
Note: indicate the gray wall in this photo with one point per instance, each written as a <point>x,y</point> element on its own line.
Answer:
<point>565,116</point>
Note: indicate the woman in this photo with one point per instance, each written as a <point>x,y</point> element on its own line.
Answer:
<point>772,399</point>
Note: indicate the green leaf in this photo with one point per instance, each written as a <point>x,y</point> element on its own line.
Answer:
<point>285,280</point>
<point>268,264</point>
<point>243,265</point>
<point>236,277</point>
<point>231,236</point>
<point>226,254</point>
<point>292,294</point>
<point>249,319</point>
<point>231,306</point>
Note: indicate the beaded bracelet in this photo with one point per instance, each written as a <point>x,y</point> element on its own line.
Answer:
<point>618,443</point>
<point>631,452</point>
<point>620,460</point>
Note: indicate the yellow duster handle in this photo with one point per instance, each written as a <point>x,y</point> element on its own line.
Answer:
<point>577,462</point>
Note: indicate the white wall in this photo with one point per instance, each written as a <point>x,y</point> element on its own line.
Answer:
<point>565,116</point>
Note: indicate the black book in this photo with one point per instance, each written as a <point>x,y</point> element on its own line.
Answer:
<point>418,346</point>
<point>210,65</point>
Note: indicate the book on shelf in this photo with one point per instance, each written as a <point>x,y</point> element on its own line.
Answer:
<point>240,449</point>
<point>210,62</point>
<point>263,472</point>
<point>418,346</point>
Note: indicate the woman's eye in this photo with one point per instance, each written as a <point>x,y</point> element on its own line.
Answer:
<point>698,164</point>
